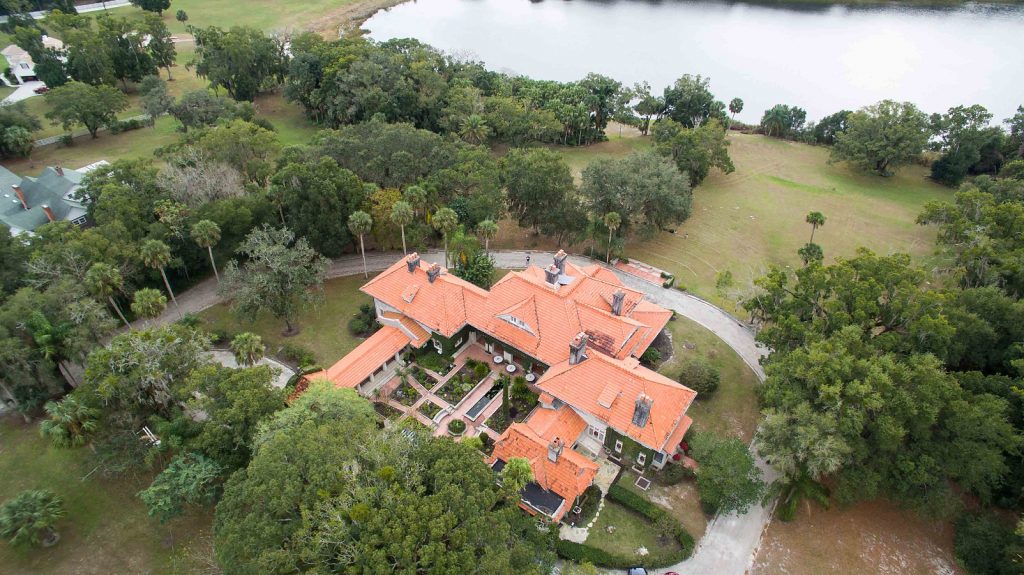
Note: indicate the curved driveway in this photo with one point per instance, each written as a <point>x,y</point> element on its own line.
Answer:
<point>730,541</point>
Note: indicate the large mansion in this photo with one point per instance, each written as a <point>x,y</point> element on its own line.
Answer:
<point>576,331</point>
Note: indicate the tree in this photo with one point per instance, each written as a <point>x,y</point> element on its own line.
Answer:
<point>612,221</point>
<point>799,486</point>
<point>156,255</point>
<point>695,151</point>
<point>816,219</point>
<point>248,349</point>
<point>445,221</point>
<point>189,479</point>
<point>701,376</point>
<point>474,129</point>
<point>161,43</point>
<point>826,130</point>
<point>236,402</point>
<point>68,422</point>
<point>647,106</point>
<point>537,181</point>
<point>478,269</point>
<point>16,127</point>
<point>206,234</point>
<point>516,474</point>
<point>280,275</point>
<point>735,107</point>
<point>156,100</point>
<point>29,518</point>
<point>811,252</point>
<point>401,216</point>
<point>319,197</point>
<point>883,137</point>
<point>126,47</point>
<point>488,230</point>
<point>242,60</point>
<point>181,16</point>
<point>148,303</point>
<point>690,103</point>
<point>967,142</point>
<point>157,6</point>
<point>91,106</point>
<point>104,280</point>
<point>361,224</point>
<point>201,108</point>
<point>783,121</point>
<point>645,189</point>
<point>728,479</point>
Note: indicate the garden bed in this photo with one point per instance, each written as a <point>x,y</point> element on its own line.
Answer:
<point>422,377</point>
<point>430,409</point>
<point>436,362</point>
<point>521,403</point>
<point>462,383</point>
<point>386,411</point>
<point>405,394</point>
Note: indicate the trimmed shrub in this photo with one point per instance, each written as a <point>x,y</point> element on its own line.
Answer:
<point>700,376</point>
<point>650,357</point>
<point>456,427</point>
<point>294,353</point>
<point>637,503</point>
<point>674,473</point>
<point>669,283</point>
<point>480,370</point>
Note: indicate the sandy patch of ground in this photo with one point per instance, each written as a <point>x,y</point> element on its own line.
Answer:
<point>350,16</point>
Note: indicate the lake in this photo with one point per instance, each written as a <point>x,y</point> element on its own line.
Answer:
<point>822,59</point>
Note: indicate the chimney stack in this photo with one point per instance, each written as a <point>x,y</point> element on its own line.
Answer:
<point>551,274</point>
<point>560,261</point>
<point>433,271</point>
<point>412,261</point>
<point>21,195</point>
<point>59,170</point>
<point>642,410</point>
<point>617,299</point>
<point>49,213</point>
<point>555,449</point>
<point>578,348</point>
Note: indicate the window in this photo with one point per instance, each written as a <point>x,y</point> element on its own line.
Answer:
<point>596,433</point>
<point>79,221</point>
<point>641,458</point>
<point>618,446</point>
<point>659,457</point>
<point>24,66</point>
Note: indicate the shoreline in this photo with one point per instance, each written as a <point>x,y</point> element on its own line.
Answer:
<point>351,17</point>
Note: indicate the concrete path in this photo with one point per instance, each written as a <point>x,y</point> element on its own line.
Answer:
<point>23,92</point>
<point>730,541</point>
<point>284,373</point>
<point>83,8</point>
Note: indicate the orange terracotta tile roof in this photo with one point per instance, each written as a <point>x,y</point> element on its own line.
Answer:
<point>362,361</point>
<point>420,336</point>
<point>569,476</point>
<point>562,423</point>
<point>622,382</point>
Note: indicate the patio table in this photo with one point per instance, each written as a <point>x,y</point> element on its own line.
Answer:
<point>498,359</point>
<point>510,368</point>
<point>530,377</point>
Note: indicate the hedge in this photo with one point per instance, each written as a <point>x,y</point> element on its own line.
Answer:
<point>641,505</point>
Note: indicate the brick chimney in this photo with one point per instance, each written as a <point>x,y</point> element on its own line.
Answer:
<point>59,170</point>
<point>21,195</point>
<point>578,348</point>
<point>642,410</point>
<point>49,213</point>
<point>560,261</point>
<point>551,274</point>
<point>433,271</point>
<point>555,449</point>
<point>412,261</point>
<point>617,299</point>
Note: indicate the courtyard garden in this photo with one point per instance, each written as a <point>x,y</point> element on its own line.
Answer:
<point>517,403</point>
<point>422,377</point>
<point>464,381</point>
<point>429,409</point>
<point>405,394</point>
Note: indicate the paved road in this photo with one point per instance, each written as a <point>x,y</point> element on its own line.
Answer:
<point>730,541</point>
<point>82,8</point>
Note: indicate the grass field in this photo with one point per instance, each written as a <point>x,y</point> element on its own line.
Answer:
<point>324,330</point>
<point>733,409</point>
<point>754,217</point>
<point>632,531</point>
<point>106,529</point>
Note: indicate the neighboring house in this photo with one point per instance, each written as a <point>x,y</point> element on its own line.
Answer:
<point>27,203</point>
<point>21,64</point>
<point>580,328</point>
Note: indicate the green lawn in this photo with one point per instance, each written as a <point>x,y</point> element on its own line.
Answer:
<point>632,531</point>
<point>106,529</point>
<point>733,409</point>
<point>324,330</point>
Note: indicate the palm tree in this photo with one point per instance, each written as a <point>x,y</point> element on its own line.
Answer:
<point>417,198</point>
<point>50,339</point>
<point>155,254</point>
<point>206,235</point>
<point>445,221</point>
<point>487,229</point>
<point>474,129</point>
<point>149,303</point>
<point>791,490</point>
<point>104,280</point>
<point>735,107</point>
<point>401,216</point>
<point>816,219</point>
<point>775,120</point>
<point>30,516</point>
<point>248,349</point>
<point>69,421</point>
<point>612,221</point>
<point>361,223</point>
<point>515,476</point>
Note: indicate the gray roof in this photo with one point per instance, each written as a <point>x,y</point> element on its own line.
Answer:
<point>48,189</point>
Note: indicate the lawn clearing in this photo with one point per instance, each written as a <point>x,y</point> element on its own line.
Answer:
<point>631,532</point>
<point>733,409</point>
<point>324,330</point>
<point>106,529</point>
<point>869,538</point>
<point>682,501</point>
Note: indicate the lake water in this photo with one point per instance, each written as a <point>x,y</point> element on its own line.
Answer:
<point>821,59</point>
